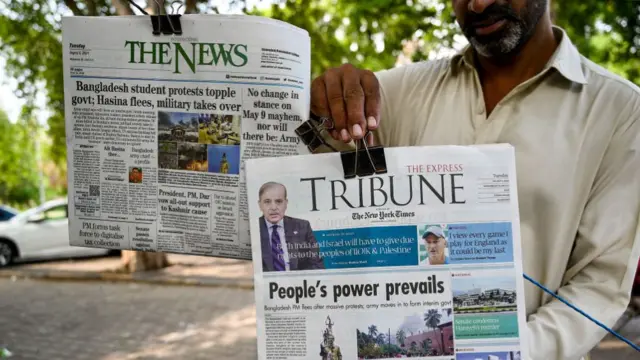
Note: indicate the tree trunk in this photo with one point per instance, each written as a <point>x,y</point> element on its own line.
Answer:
<point>190,6</point>
<point>122,7</point>
<point>135,261</point>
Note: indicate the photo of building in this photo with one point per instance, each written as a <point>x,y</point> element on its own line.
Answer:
<point>439,340</point>
<point>480,297</point>
<point>421,334</point>
<point>483,294</point>
<point>491,355</point>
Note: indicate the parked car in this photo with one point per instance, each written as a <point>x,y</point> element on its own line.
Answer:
<point>40,233</point>
<point>7,212</point>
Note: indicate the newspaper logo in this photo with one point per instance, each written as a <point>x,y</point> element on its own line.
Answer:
<point>192,55</point>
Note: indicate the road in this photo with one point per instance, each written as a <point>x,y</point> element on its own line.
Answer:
<point>613,349</point>
<point>106,321</point>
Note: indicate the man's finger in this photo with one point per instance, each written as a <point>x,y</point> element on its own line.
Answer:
<point>354,100</point>
<point>371,89</point>
<point>319,101</point>
<point>333,89</point>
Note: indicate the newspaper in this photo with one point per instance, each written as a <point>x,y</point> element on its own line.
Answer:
<point>423,261</point>
<point>158,127</point>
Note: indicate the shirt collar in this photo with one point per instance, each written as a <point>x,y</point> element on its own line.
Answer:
<point>566,59</point>
<point>270,225</point>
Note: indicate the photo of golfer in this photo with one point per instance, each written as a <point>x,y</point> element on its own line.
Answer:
<point>435,243</point>
<point>288,243</point>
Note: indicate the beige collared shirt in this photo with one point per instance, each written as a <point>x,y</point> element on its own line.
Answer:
<point>576,132</point>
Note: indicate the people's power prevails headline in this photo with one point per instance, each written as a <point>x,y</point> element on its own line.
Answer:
<point>338,291</point>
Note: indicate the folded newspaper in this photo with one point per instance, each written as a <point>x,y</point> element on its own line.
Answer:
<point>158,127</point>
<point>423,261</point>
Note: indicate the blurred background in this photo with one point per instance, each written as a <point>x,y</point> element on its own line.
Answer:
<point>373,34</point>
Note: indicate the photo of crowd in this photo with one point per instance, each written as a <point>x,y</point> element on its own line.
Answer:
<point>199,142</point>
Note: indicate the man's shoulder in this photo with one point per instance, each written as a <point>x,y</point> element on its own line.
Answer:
<point>425,66</point>
<point>413,74</point>
<point>615,86</point>
<point>295,220</point>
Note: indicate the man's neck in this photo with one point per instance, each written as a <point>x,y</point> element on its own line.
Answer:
<point>504,74</point>
<point>527,62</point>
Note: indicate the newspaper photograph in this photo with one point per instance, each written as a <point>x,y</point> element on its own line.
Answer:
<point>423,261</point>
<point>158,127</point>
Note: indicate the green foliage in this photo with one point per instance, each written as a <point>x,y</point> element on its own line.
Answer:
<point>359,24</point>
<point>30,41</point>
<point>30,36</point>
<point>18,166</point>
<point>607,32</point>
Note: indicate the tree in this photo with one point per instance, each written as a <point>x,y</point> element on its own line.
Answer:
<point>18,168</point>
<point>373,331</point>
<point>371,34</point>
<point>607,32</point>
<point>401,336</point>
<point>30,38</point>
<point>432,320</point>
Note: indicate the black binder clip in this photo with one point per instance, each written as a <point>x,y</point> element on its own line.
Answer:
<point>310,132</point>
<point>364,160</point>
<point>167,24</point>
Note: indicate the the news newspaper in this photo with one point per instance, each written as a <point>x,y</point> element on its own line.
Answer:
<point>158,127</point>
<point>423,261</point>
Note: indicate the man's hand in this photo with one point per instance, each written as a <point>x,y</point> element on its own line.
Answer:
<point>350,97</point>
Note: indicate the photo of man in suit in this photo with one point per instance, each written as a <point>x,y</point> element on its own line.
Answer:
<point>287,243</point>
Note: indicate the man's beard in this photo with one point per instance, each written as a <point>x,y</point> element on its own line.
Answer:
<point>512,36</point>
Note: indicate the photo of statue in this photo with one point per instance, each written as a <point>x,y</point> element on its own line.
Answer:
<point>328,349</point>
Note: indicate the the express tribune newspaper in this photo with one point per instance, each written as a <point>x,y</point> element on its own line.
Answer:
<point>423,261</point>
<point>158,127</point>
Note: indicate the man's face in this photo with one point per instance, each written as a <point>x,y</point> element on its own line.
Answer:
<point>498,27</point>
<point>273,204</point>
<point>435,245</point>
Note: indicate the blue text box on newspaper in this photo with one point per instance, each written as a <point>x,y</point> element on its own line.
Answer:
<point>368,247</point>
<point>480,243</point>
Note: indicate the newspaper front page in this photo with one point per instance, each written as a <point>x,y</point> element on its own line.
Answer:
<point>158,127</point>
<point>423,261</point>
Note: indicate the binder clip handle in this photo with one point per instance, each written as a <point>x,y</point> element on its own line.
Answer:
<point>364,160</point>
<point>310,132</point>
<point>167,24</point>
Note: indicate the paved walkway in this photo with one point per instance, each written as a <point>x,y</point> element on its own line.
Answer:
<point>613,349</point>
<point>185,269</point>
<point>118,321</point>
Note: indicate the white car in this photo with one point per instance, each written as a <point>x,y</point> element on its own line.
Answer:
<point>40,233</point>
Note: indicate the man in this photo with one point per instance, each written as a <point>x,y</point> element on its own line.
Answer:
<point>436,245</point>
<point>575,130</point>
<point>287,243</point>
<point>224,164</point>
